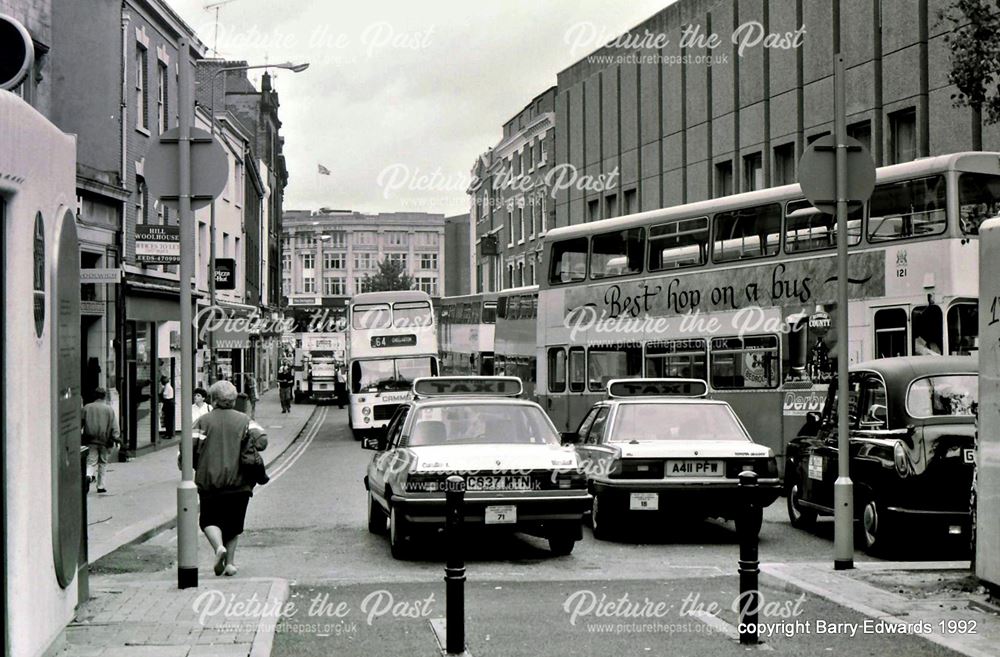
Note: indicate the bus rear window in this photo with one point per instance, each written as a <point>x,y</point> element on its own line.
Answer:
<point>747,233</point>
<point>568,262</point>
<point>371,316</point>
<point>978,200</point>
<point>618,253</point>
<point>911,208</point>
<point>678,243</point>
<point>808,229</point>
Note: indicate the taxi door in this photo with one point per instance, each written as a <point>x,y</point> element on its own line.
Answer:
<point>822,463</point>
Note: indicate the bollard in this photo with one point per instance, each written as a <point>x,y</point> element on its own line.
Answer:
<point>454,571</point>
<point>748,529</point>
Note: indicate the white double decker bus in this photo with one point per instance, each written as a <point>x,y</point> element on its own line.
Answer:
<point>391,340</point>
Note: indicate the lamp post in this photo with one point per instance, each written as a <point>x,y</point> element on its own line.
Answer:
<point>288,66</point>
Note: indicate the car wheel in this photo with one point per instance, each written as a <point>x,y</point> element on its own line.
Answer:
<point>376,517</point>
<point>800,517</point>
<point>397,534</point>
<point>874,530</point>
<point>599,521</point>
<point>560,546</point>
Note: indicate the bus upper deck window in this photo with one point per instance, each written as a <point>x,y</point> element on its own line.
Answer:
<point>978,200</point>
<point>618,253</point>
<point>808,229</point>
<point>568,261</point>
<point>963,329</point>
<point>678,243</point>
<point>911,208</point>
<point>747,233</point>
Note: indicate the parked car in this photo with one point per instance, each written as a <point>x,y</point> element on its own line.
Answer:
<point>912,433</point>
<point>655,448</point>
<point>518,476</point>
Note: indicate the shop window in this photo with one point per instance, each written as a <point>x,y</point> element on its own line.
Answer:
<point>890,332</point>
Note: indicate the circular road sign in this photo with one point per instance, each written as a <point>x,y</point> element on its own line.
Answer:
<point>17,52</point>
<point>209,168</point>
<point>818,173</point>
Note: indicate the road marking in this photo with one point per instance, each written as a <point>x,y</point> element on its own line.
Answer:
<point>298,451</point>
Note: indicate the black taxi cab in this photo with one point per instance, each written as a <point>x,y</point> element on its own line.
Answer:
<point>658,447</point>
<point>912,450</point>
<point>518,476</point>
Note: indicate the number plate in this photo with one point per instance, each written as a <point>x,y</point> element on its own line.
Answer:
<point>643,501</point>
<point>505,482</point>
<point>693,468</point>
<point>816,467</point>
<point>969,455</point>
<point>501,515</point>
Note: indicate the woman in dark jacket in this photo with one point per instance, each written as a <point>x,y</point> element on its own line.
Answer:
<point>223,492</point>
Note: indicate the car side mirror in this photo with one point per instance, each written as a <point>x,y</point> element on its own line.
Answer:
<point>813,418</point>
<point>372,443</point>
<point>570,438</point>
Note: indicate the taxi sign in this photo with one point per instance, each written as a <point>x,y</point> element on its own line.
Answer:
<point>465,386</point>
<point>618,388</point>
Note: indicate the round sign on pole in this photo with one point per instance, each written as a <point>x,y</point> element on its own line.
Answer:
<point>209,168</point>
<point>818,173</point>
<point>17,52</point>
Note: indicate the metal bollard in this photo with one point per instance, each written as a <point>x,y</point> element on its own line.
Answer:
<point>454,571</point>
<point>748,529</point>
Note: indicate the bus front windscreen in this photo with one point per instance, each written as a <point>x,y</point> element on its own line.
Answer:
<point>389,373</point>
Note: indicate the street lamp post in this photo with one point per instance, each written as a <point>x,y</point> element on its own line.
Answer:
<point>288,66</point>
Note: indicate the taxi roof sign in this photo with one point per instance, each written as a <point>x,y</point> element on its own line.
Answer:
<point>618,388</point>
<point>468,386</point>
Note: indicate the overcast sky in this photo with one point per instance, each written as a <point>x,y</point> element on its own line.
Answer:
<point>402,89</point>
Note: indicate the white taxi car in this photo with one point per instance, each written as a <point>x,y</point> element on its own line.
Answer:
<point>657,446</point>
<point>517,474</point>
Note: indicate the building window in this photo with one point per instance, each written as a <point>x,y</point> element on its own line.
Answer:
<point>307,239</point>
<point>753,172</point>
<point>903,135</point>
<point>611,203</point>
<point>544,210</point>
<point>784,164</point>
<point>862,131</point>
<point>365,238</point>
<point>308,284</point>
<point>286,287</point>
<point>629,198</point>
<point>531,156</point>
<point>336,239</point>
<point>520,223</point>
<point>363,261</point>
<point>286,262</point>
<point>141,202</point>
<point>163,120</point>
<point>429,261</point>
<point>510,227</point>
<point>397,258</point>
<point>141,85</point>
<point>308,260</point>
<point>427,284</point>
<point>334,260</point>
<point>395,238</point>
<point>333,286</point>
<point>531,274</point>
<point>426,238</point>
<point>724,178</point>
<point>593,210</point>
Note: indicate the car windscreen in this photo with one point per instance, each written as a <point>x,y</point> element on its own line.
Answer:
<point>481,423</point>
<point>653,421</point>
<point>953,394</point>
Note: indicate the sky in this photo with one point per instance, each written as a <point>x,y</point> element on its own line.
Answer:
<point>402,96</point>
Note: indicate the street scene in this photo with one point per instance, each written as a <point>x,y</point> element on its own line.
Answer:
<point>667,327</point>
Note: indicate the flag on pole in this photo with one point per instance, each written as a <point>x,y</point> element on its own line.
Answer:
<point>322,170</point>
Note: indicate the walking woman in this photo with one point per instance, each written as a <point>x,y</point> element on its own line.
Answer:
<point>223,491</point>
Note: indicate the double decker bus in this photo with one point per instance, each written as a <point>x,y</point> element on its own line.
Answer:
<point>467,324</point>
<point>391,340</point>
<point>741,291</point>
<point>515,343</point>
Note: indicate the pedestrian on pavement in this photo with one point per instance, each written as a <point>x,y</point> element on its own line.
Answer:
<point>250,390</point>
<point>340,386</point>
<point>285,382</point>
<point>167,406</point>
<point>223,490</point>
<point>101,433</point>
<point>201,405</point>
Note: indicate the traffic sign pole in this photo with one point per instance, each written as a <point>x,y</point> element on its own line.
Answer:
<point>187,492</point>
<point>843,488</point>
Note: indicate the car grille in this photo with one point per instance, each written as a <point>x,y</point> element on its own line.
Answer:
<point>384,411</point>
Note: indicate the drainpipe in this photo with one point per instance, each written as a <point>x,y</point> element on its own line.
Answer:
<point>124,394</point>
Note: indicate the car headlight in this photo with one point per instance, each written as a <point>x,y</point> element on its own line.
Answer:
<point>901,460</point>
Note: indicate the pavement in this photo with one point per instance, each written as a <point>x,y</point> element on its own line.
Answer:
<point>134,614</point>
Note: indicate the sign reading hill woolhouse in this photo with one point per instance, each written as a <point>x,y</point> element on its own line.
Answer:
<point>158,245</point>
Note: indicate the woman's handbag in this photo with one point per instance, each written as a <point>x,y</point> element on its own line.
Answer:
<point>251,462</point>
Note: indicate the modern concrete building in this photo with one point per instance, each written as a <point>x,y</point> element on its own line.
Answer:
<point>326,255</point>
<point>511,202</point>
<point>459,255</point>
<point>680,130</point>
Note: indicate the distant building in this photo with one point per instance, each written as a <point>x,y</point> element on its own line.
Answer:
<point>459,255</point>
<point>326,255</point>
<point>510,201</point>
